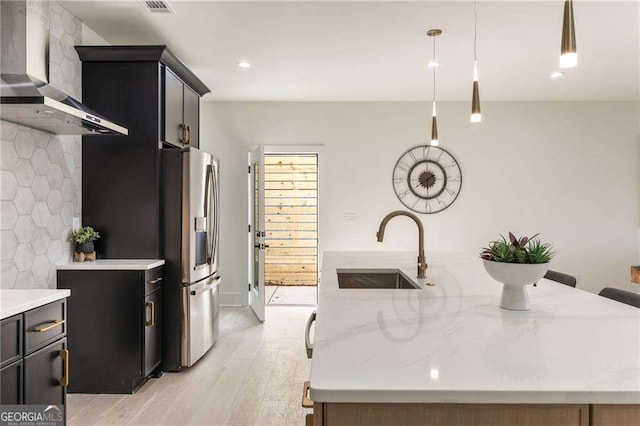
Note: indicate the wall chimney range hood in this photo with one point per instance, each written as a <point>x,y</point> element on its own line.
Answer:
<point>26,97</point>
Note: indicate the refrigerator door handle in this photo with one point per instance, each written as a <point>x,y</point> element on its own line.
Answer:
<point>214,223</point>
<point>208,196</point>
<point>204,288</point>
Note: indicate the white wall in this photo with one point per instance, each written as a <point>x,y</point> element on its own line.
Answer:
<point>566,170</point>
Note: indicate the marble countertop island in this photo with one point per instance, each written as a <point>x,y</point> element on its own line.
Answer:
<point>452,343</point>
<point>13,302</point>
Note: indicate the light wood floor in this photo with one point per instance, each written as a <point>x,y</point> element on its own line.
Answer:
<point>291,295</point>
<point>252,376</point>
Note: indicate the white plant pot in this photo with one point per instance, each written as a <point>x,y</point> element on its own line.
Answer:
<point>514,277</point>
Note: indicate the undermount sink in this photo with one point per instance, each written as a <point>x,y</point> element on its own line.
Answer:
<point>374,278</point>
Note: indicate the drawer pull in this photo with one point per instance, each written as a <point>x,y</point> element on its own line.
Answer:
<point>64,354</point>
<point>152,321</point>
<point>43,328</point>
<point>156,281</point>
<point>306,402</point>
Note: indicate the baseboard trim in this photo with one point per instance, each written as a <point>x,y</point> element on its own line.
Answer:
<point>234,299</point>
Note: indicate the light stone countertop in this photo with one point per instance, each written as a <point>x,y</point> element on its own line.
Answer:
<point>452,343</point>
<point>13,302</point>
<point>112,265</point>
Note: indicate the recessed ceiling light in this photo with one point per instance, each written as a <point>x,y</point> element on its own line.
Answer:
<point>556,74</point>
<point>433,64</point>
<point>244,64</point>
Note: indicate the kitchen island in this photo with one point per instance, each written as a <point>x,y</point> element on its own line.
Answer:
<point>447,353</point>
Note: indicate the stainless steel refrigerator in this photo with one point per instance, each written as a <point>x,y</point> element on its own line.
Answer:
<point>191,206</point>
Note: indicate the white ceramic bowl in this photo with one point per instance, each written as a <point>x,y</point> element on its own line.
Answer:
<point>514,277</point>
<point>515,273</point>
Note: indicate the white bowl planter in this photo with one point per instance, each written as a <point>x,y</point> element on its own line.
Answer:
<point>514,277</point>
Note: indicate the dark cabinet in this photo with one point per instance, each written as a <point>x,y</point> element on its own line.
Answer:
<point>11,383</point>
<point>116,337</point>
<point>151,93</point>
<point>174,132</point>
<point>45,375</point>
<point>35,359</point>
<point>11,335</point>
<point>181,111</point>
<point>152,331</point>
<point>192,116</point>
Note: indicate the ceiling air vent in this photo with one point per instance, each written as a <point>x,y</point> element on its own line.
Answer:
<point>159,6</point>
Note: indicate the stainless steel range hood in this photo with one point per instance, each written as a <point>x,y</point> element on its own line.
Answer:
<point>26,97</point>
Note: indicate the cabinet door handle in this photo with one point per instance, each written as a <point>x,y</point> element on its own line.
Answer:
<point>156,281</point>
<point>188,134</point>
<point>183,137</point>
<point>152,321</point>
<point>64,381</point>
<point>306,401</point>
<point>43,328</point>
<point>307,330</point>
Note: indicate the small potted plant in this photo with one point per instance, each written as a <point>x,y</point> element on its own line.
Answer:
<point>84,238</point>
<point>515,263</point>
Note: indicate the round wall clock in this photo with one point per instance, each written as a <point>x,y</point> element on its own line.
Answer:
<point>427,179</point>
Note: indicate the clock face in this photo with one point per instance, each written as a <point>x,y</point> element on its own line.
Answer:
<point>427,179</point>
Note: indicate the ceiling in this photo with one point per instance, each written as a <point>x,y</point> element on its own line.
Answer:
<point>378,51</point>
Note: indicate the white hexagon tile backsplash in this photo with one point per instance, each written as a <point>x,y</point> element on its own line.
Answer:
<point>40,176</point>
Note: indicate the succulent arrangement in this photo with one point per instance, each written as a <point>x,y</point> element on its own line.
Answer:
<point>518,250</point>
<point>84,235</point>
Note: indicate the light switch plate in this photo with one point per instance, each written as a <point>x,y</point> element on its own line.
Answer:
<point>76,223</point>
<point>348,218</point>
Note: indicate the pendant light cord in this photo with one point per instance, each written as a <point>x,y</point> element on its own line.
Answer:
<point>475,30</point>
<point>434,69</point>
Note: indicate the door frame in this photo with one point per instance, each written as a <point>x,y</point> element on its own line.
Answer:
<point>293,149</point>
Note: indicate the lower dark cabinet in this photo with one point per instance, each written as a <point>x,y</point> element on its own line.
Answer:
<point>115,319</point>
<point>152,332</point>
<point>45,374</point>
<point>12,385</point>
<point>12,337</point>
<point>35,359</point>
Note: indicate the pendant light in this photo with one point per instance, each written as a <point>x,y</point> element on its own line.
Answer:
<point>434,122</point>
<point>568,51</point>
<point>476,115</point>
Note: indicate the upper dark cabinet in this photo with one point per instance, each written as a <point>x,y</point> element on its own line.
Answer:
<point>150,92</point>
<point>181,107</point>
<point>192,116</point>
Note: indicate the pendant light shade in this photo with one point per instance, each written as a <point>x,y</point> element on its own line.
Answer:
<point>434,120</point>
<point>476,115</point>
<point>434,127</point>
<point>568,51</point>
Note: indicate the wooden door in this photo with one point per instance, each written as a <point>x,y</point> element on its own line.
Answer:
<point>173,108</point>
<point>43,372</point>
<point>192,116</point>
<point>291,219</point>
